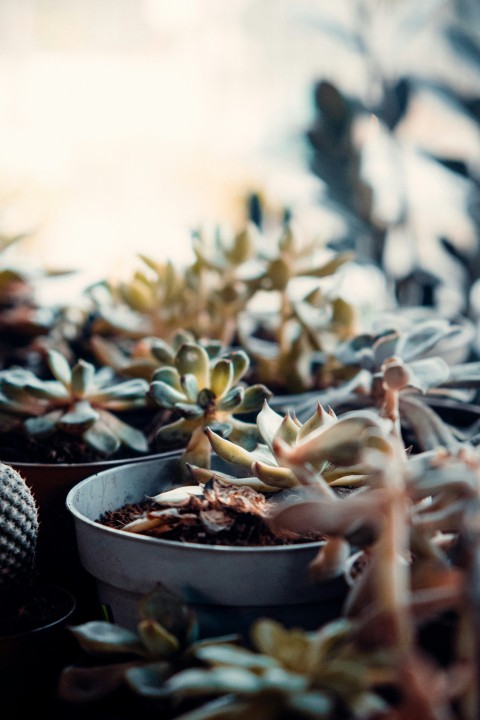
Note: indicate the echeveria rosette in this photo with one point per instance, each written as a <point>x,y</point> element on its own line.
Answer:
<point>80,400</point>
<point>333,446</point>
<point>206,392</point>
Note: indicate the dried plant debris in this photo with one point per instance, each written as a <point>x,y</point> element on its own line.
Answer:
<point>214,514</point>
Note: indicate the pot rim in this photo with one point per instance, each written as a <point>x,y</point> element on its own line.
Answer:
<point>111,463</point>
<point>197,547</point>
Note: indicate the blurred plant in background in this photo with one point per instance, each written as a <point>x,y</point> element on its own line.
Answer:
<point>399,149</point>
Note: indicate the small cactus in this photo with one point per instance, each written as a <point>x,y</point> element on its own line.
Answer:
<point>18,531</point>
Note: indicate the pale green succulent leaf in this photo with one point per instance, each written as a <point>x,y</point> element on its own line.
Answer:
<point>158,641</point>
<point>148,680</point>
<point>385,347</point>
<point>169,375</point>
<point>177,432</point>
<point>59,367</point>
<point>107,352</point>
<point>197,682</point>
<point>190,411</point>
<point>192,358</point>
<point>313,704</point>
<point>189,386</point>
<point>203,476</point>
<point>100,437</point>
<point>288,431</point>
<point>340,443</point>
<point>47,390</point>
<point>162,351</point>
<point>268,423</point>
<point>81,414</point>
<point>241,363</point>
<point>223,654</point>
<point>43,425</point>
<point>221,377</point>
<point>99,637</point>
<point>243,433</point>
<point>232,401</point>
<point>424,336</point>
<point>229,451</point>
<point>129,436</point>
<point>319,419</point>
<point>428,373</point>
<point>83,374</point>
<point>165,395</point>
<point>253,398</point>
<point>274,476</point>
<point>463,375</point>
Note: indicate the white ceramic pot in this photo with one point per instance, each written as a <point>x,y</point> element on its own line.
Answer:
<point>227,586</point>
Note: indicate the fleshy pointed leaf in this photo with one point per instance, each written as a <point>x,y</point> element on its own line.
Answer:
<point>83,374</point>
<point>59,367</point>
<point>127,435</point>
<point>98,636</point>
<point>288,431</point>
<point>227,450</point>
<point>253,398</point>
<point>221,377</point>
<point>189,385</point>
<point>241,363</point>
<point>232,400</point>
<point>44,424</point>
<point>191,358</point>
<point>274,476</point>
<point>100,437</point>
<point>268,423</point>
<point>165,395</point>
<point>169,375</point>
<point>158,641</point>
<point>81,414</point>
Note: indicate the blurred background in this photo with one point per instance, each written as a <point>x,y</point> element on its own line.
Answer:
<point>124,124</point>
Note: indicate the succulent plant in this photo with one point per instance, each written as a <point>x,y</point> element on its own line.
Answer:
<point>337,442</point>
<point>22,317</point>
<point>18,531</point>
<point>147,354</point>
<point>79,403</point>
<point>167,633</point>
<point>284,344</point>
<point>206,392</point>
<point>400,373</point>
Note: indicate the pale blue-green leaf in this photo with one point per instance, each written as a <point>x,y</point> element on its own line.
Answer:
<point>241,363</point>
<point>81,413</point>
<point>232,400</point>
<point>428,373</point>
<point>189,386</point>
<point>268,423</point>
<point>190,411</point>
<point>129,436</point>
<point>165,395</point>
<point>59,367</point>
<point>464,375</point>
<point>221,377</point>
<point>101,438</point>
<point>254,398</point>
<point>83,374</point>
<point>48,390</point>
<point>169,375</point>
<point>424,336</point>
<point>385,347</point>
<point>197,682</point>
<point>313,704</point>
<point>43,425</point>
<point>234,656</point>
<point>148,680</point>
<point>192,358</point>
<point>97,636</point>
